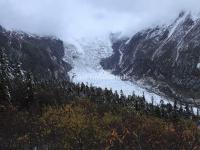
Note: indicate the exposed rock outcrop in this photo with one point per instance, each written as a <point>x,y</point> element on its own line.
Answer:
<point>170,55</point>
<point>43,56</point>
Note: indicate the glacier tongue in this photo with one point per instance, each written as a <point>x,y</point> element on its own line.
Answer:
<point>87,68</point>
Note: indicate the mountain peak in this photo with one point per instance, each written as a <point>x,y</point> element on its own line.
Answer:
<point>169,54</point>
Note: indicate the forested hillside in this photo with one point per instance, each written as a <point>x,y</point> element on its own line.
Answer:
<point>57,114</point>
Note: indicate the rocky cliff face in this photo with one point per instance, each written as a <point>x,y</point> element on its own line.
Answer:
<point>168,55</point>
<point>43,56</point>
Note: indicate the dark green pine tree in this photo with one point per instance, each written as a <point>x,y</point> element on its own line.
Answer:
<point>187,110</point>
<point>157,111</point>
<point>162,109</point>
<point>180,109</point>
<point>143,102</point>
<point>116,97</point>
<point>136,104</point>
<point>175,110</point>
<point>5,72</point>
<point>197,112</point>
<point>152,104</point>
<point>122,97</point>
<point>169,109</point>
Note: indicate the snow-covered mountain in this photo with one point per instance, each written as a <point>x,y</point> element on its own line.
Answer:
<point>43,56</point>
<point>85,56</point>
<point>167,57</point>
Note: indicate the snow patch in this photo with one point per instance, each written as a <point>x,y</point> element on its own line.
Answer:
<point>180,44</point>
<point>198,66</point>
<point>121,55</point>
<point>128,41</point>
<point>176,24</point>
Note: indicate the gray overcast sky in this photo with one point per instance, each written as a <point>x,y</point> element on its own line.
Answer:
<point>66,18</point>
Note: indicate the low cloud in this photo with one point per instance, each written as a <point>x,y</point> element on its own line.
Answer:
<point>83,18</point>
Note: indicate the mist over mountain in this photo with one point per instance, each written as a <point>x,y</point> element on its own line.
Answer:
<point>167,57</point>
<point>86,24</point>
<point>83,18</point>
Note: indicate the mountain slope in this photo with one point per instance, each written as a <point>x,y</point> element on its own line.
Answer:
<point>43,56</point>
<point>170,55</point>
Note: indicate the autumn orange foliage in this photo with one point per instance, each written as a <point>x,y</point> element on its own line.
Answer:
<point>80,125</point>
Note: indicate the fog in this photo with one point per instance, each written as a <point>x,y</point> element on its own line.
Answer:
<point>88,18</point>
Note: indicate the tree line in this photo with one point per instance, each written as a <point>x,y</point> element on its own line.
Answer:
<point>19,88</point>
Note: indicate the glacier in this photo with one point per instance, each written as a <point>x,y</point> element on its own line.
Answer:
<point>85,56</point>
